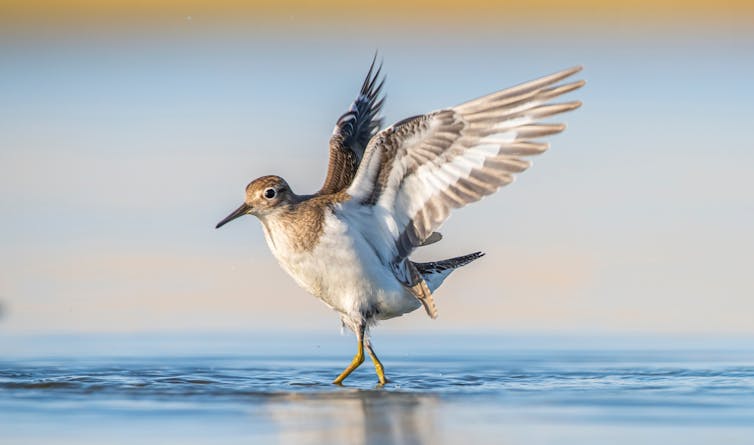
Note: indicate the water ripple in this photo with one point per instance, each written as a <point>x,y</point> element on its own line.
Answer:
<point>179,379</point>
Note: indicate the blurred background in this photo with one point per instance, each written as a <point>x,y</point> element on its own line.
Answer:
<point>128,129</point>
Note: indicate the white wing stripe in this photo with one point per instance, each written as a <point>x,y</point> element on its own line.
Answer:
<point>499,138</point>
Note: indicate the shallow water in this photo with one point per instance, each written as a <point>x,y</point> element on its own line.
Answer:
<point>265,389</point>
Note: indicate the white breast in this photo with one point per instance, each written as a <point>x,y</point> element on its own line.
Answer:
<point>341,270</point>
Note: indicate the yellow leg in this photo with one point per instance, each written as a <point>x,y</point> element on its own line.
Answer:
<point>358,359</point>
<point>377,364</point>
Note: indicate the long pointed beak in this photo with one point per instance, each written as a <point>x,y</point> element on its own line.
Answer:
<point>241,211</point>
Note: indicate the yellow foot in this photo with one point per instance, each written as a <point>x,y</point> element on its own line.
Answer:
<point>358,359</point>
<point>380,373</point>
<point>377,365</point>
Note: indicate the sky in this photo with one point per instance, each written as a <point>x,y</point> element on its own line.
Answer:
<point>127,132</point>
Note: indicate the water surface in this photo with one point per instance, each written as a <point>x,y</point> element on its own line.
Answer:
<point>444,389</point>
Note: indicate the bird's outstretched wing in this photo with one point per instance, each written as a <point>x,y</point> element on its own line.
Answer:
<point>416,171</point>
<point>353,131</point>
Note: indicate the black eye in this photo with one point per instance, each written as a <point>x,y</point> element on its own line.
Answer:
<point>269,193</point>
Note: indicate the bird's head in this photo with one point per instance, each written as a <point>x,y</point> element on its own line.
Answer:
<point>263,196</point>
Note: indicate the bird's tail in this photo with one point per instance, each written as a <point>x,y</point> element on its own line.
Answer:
<point>435,272</point>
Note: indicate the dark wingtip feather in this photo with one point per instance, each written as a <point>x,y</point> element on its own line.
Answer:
<point>367,79</point>
<point>362,121</point>
<point>370,91</point>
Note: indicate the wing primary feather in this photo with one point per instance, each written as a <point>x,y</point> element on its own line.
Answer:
<point>367,79</point>
<point>534,131</point>
<point>537,83</point>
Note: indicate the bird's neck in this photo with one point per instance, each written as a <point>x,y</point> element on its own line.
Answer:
<point>296,227</point>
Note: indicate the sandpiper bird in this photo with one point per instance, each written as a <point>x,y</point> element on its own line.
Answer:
<point>388,191</point>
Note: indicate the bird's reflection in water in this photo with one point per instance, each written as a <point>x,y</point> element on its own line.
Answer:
<point>355,417</point>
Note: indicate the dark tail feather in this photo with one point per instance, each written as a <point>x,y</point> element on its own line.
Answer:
<point>436,267</point>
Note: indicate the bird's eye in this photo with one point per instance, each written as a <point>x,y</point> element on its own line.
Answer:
<point>269,193</point>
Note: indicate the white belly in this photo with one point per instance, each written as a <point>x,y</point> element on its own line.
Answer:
<point>343,271</point>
